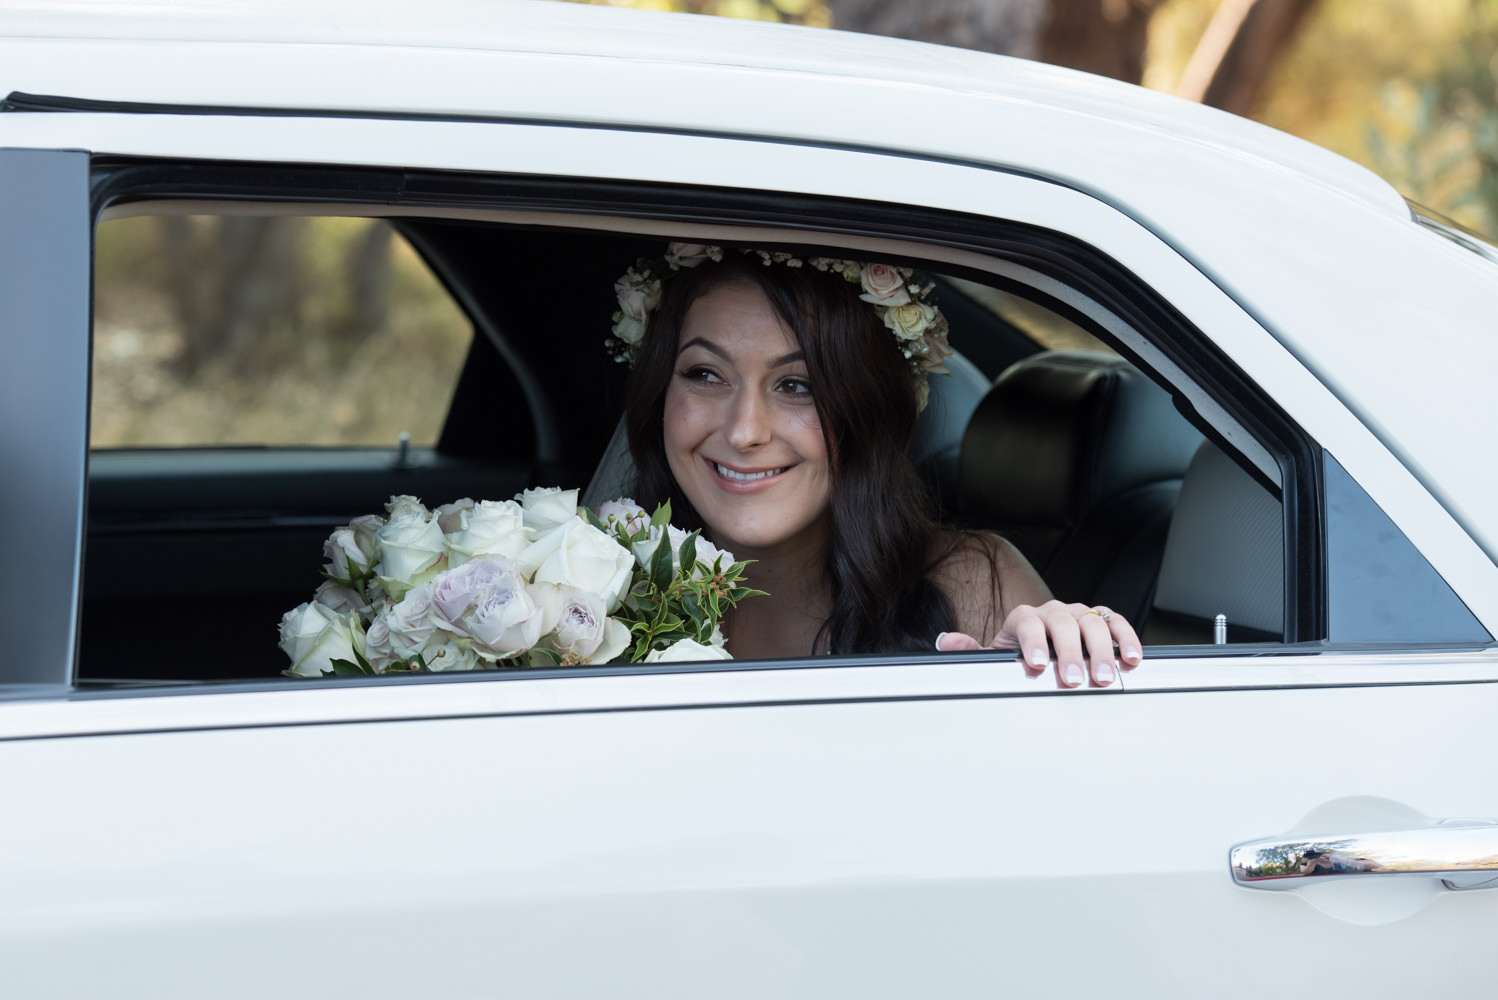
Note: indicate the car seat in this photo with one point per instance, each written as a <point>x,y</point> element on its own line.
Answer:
<point>1077,458</point>
<point>1224,555</point>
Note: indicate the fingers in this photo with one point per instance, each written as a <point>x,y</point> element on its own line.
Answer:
<point>956,642</point>
<point>1098,638</point>
<point>1130,649</point>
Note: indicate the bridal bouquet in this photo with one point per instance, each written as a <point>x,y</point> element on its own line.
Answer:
<point>535,581</point>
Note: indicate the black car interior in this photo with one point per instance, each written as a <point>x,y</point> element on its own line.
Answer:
<point>1078,457</point>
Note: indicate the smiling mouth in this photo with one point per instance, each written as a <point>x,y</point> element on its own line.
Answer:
<point>734,476</point>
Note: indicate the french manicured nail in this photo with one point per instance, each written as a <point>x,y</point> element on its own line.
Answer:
<point>1073,674</point>
<point>1104,671</point>
<point>1132,654</point>
<point>1038,657</point>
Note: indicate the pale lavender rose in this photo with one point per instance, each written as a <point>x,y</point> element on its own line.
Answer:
<point>686,651</point>
<point>548,505</point>
<point>628,516</point>
<point>679,255</point>
<point>489,528</point>
<point>487,601</point>
<point>314,635</point>
<point>884,285</point>
<point>411,546</point>
<point>449,515</point>
<point>577,554</point>
<point>584,631</point>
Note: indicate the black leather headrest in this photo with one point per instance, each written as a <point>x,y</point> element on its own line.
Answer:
<point>1061,431</point>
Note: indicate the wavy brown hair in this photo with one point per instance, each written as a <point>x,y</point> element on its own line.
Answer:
<point>884,537</point>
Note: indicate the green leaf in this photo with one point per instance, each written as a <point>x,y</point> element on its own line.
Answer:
<point>592,518</point>
<point>662,515</point>
<point>693,606</point>
<point>689,554</point>
<point>363,663</point>
<point>346,668</point>
<point>660,564</point>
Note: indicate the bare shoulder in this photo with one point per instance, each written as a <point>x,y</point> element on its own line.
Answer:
<point>983,577</point>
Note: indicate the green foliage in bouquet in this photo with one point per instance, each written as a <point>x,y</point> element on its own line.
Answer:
<point>676,596</point>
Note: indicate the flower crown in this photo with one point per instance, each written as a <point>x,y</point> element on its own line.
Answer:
<point>898,296</point>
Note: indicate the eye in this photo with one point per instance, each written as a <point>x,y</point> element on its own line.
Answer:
<point>702,374</point>
<point>795,385</point>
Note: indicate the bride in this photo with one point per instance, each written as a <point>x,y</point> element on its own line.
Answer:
<point>771,401</point>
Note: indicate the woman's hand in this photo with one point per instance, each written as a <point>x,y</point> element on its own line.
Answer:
<point>1072,630</point>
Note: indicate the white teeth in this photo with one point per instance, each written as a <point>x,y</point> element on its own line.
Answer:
<point>744,477</point>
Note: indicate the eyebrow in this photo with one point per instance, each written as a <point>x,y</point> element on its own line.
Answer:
<point>784,359</point>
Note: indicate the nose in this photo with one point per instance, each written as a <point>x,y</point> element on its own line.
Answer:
<point>748,423</point>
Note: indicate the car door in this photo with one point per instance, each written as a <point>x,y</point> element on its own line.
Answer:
<point>878,826</point>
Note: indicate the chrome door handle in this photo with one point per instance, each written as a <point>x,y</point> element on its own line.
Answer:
<point>1464,855</point>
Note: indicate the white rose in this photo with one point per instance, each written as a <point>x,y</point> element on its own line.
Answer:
<point>578,555</point>
<point>585,630</point>
<point>490,528</point>
<point>686,651</point>
<point>347,559</point>
<point>451,653</point>
<point>644,550</point>
<point>680,255</point>
<point>548,505</point>
<point>411,543</point>
<point>639,294</point>
<point>884,286</point>
<point>909,321</point>
<point>628,329</point>
<point>314,635</point>
<point>449,515</point>
<point>338,598</point>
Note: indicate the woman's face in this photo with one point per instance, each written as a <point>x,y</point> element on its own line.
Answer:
<point>742,434</point>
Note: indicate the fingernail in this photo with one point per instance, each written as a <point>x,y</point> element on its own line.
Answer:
<point>940,636</point>
<point>1038,657</point>
<point>1132,654</point>
<point>1073,674</point>
<point>1104,671</point>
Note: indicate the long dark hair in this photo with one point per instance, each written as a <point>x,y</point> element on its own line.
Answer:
<point>884,536</point>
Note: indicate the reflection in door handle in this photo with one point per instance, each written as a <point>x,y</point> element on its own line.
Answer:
<point>1463,856</point>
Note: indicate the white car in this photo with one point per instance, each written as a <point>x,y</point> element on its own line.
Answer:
<point>1284,420</point>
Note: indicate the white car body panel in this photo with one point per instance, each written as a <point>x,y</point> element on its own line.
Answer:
<point>924,828</point>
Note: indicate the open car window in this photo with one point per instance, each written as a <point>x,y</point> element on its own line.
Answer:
<point>1083,421</point>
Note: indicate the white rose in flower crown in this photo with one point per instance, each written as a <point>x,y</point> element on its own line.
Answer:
<point>909,321</point>
<point>578,555</point>
<point>686,651</point>
<point>680,255</point>
<point>489,528</point>
<point>411,544</point>
<point>629,330</point>
<point>639,294</point>
<point>314,635</point>
<point>548,505</point>
<point>584,630</point>
<point>884,286</point>
<point>629,517</point>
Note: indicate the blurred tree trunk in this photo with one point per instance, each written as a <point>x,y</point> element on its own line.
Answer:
<point>231,279</point>
<point>1099,36</point>
<point>1238,50</point>
<point>369,280</point>
<point>1107,37</point>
